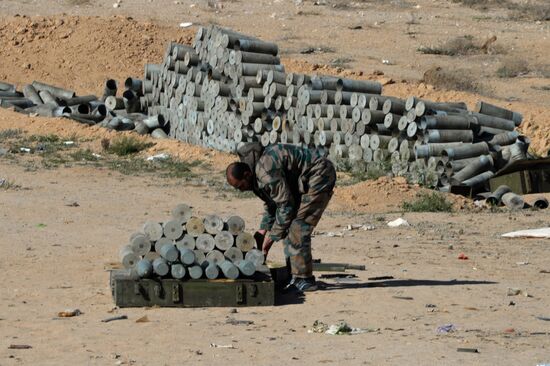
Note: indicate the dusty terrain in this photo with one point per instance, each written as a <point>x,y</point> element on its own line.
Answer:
<point>54,254</point>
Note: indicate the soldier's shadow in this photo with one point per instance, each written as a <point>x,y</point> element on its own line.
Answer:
<point>292,298</point>
<point>325,286</point>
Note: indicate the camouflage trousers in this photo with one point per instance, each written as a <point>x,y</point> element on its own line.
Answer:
<point>313,203</point>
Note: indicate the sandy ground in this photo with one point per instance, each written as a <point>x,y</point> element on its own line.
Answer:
<point>54,255</point>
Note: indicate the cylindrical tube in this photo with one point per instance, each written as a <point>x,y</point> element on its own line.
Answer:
<point>495,198</point>
<point>177,271</point>
<point>161,267</point>
<point>478,166</point>
<point>128,257</point>
<point>144,268</point>
<point>466,151</point>
<point>513,201</point>
<point>229,270</point>
<point>30,93</point>
<point>247,268</point>
<point>55,91</point>
<point>493,110</point>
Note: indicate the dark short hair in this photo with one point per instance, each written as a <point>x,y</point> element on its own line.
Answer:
<point>237,170</point>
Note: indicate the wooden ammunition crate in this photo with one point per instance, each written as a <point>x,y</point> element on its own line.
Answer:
<point>128,291</point>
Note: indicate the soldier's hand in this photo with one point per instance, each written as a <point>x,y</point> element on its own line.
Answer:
<point>266,246</point>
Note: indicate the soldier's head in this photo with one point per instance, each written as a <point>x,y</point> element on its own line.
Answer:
<point>240,176</point>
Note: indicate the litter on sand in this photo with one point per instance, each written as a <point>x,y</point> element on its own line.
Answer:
<point>69,313</point>
<point>446,328</point>
<point>543,232</point>
<point>230,346</point>
<point>341,328</point>
<point>162,156</point>
<point>398,222</point>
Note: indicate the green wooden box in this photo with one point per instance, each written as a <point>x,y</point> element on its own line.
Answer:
<point>129,291</point>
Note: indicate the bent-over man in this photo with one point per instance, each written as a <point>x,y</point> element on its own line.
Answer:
<point>296,184</point>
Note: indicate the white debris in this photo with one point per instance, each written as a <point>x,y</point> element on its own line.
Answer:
<point>398,222</point>
<point>543,232</point>
<point>214,345</point>
<point>185,24</point>
<point>358,227</point>
<point>162,156</point>
<point>25,149</point>
<point>68,143</point>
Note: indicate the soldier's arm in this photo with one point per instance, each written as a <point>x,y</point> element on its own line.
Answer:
<point>268,217</point>
<point>270,175</point>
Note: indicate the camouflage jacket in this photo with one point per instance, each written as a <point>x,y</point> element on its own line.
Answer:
<point>282,175</point>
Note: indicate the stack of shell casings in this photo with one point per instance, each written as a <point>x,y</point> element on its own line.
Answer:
<point>188,246</point>
<point>229,88</point>
<point>121,113</point>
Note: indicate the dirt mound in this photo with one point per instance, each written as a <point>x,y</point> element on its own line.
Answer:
<point>385,194</point>
<point>69,129</point>
<point>80,53</point>
<point>382,194</point>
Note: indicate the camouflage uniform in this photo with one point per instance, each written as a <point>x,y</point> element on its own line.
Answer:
<point>296,185</point>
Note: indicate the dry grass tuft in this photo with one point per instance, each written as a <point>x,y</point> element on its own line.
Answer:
<point>513,67</point>
<point>529,10</point>
<point>461,46</point>
<point>451,79</point>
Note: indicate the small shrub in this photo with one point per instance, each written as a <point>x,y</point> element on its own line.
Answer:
<point>10,134</point>
<point>127,145</point>
<point>451,79</point>
<point>165,168</point>
<point>83,155</point>
<point>429,202</point>
<point>512,68</point>
<point>342,62</point>
<point>459,46</point>
<point>51,138</point>
<point>6,184</point>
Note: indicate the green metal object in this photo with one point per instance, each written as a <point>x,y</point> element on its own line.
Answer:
<point>524,176</point>
<point>130,291</point>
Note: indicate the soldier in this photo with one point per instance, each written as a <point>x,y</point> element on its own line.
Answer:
<point>296,185</point>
